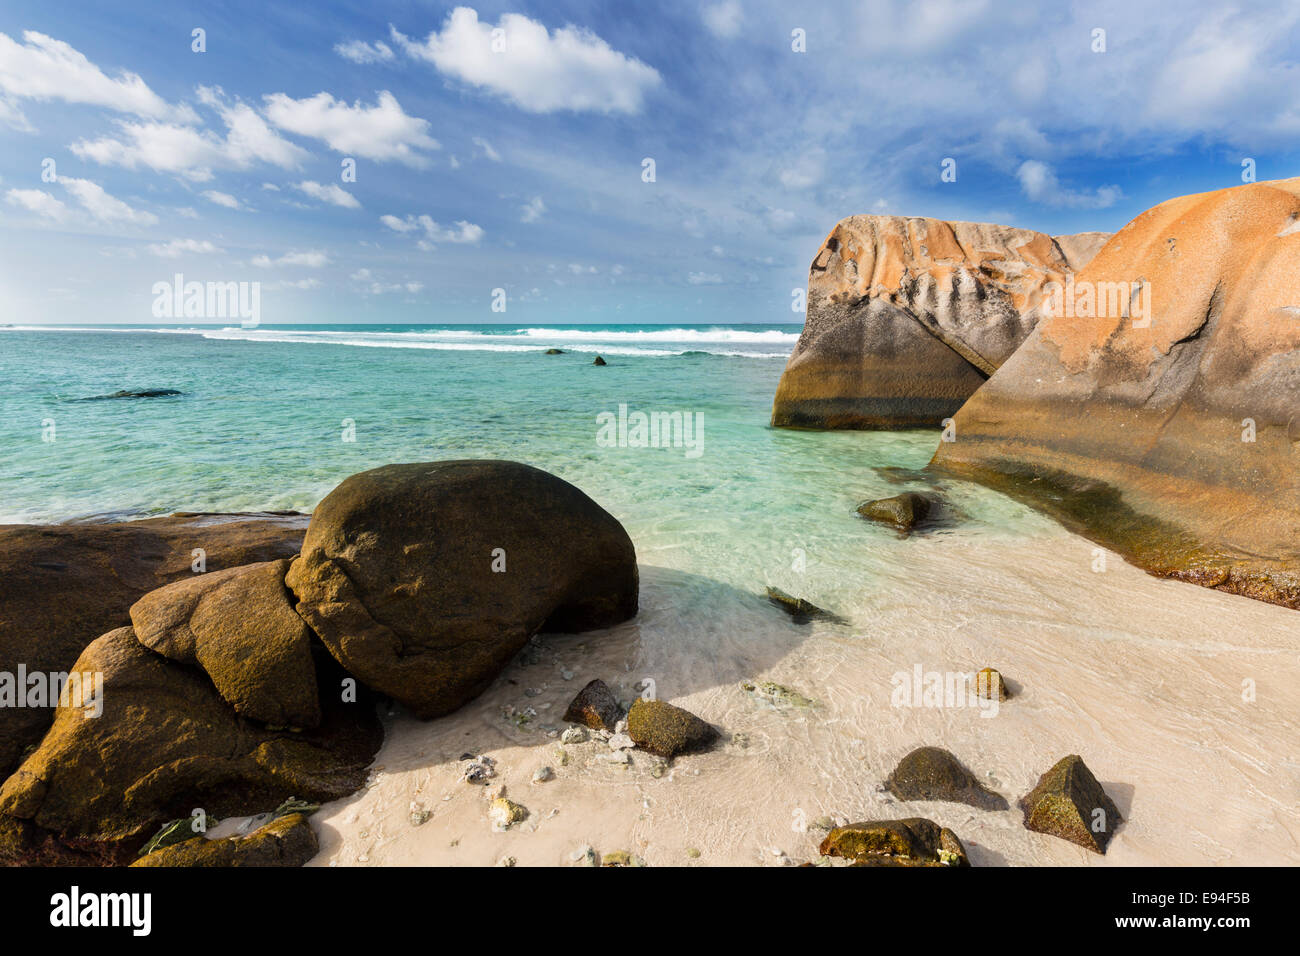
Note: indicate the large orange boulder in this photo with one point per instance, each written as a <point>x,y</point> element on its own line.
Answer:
<point>1156,405</point>
<point>907,317</point>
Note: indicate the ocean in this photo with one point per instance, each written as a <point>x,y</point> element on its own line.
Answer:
<point>1142,677</point>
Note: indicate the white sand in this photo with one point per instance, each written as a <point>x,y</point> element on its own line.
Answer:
<point>1143,678</point>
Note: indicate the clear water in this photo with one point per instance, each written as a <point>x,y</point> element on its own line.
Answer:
<point>1141,677</point>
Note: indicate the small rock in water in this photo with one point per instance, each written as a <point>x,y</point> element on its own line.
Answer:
<point>990,686</point>
<point>595,707</point>
<point>554,352</point>
<point>620,757</point>
<point>506,813</point>
<point>566,674</point>
<point>419,815</point>
<point>532,691</point>
<point>1069,803</point>
<point>665,730</point>
<point>932,773</point>
<point>658,768</point>
<point>801,611</point>
<point>825,824</point>
<point>584,856</point>
<point>693,853</point>
<point>543,774</point>
<point>599,361</point>
<point>911,842</point>
<point>507,861</point>
<point>621,742</point>
<point>574,735</point>
<point>903,512</point>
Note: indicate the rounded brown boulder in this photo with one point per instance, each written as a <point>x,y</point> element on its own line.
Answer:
<point>423,580</point>
<point>240,627</point>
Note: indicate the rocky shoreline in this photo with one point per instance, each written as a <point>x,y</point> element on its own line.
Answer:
<point>1151,404</point>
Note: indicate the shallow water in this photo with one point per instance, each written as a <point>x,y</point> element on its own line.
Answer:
<point>1144,678</point>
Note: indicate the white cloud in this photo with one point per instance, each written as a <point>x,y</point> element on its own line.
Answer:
<point>332,193</point>
<point>460,232</point>
<point>723,19</point>
<point>178,247</point>
<point>1039,183</point>
<point>40,202</point>
<point>43,69</point>
<point>294,284</point>
<point>359,51</point>
<point>382,132</point>
<point>271,187</point>
<point>311,259</point>
<point>532,210</point>
<point>488,151</point>
<point>13,117</point>
<point>221,199</point>
<point>102,206</point>
<point>194,153</point>
<point>704,278</point>
<point>538,71</point>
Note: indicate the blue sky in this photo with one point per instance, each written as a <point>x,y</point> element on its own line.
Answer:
<point>522,168</point>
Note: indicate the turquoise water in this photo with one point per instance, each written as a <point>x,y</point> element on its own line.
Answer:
<point>264,413</point>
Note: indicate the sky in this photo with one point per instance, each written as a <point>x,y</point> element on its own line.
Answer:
<point>400,162</point>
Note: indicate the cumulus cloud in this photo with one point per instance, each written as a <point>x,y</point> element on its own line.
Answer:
<point>102,206</point>
<point>194,153</point>
<point>538,70</point>
<point>359,51</point>
<point>460,232</point>
<point>178,247</point>
<point>332,193</point>
<point>42,68</point>
<point>1039,183</point>
<point>221,199</point>
<point>383,132</point>
<point>311,259</point>
<point>40,202</point>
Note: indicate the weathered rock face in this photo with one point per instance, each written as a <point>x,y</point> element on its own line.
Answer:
<point>907,317</point>
<point>397,574</point>
<point>65,585</point>
<point>1157,410</point>
<point>595,706</point>
<point>240,627</point>
<point>164,744</point>
<point>666,731</point>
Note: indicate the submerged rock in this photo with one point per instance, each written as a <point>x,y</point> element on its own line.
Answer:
<point>775,694</point>
<point>239,626</point>
<point>931,773</point>
<point>911,842</point>
<point>424,580</point>
<point>595,706</point>
<point>555,351</point>
<point>286,841</point>
<point>505,813</point>
<point>140,393</point>
<point>903,512</point>
<point>621,858</point>
<point>1069,803</point>
<point>802,611</point>
<point>665,730</point>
